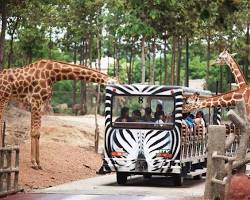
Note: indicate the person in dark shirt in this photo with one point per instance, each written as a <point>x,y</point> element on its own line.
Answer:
<point>136,116</point>
<point>159,113</point>
<point>124,116</point>
<point>147,117</point>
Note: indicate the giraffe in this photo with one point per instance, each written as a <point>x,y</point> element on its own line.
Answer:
<point>32,85</point>
<point>226,58</point>
<point>223,100</point>
<point>229,98</point>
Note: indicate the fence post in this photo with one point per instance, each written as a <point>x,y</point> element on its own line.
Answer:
<point>17,172</point>
<point>9,170</point>
<point>215,167</point>
<point>1,167</point>
<point>8,158</point>
<point>3,134</point>
<point>244,132</point>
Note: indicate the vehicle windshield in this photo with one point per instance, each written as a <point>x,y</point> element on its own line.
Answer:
<point>143,112</point>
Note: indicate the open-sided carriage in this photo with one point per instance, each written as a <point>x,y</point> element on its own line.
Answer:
<point>158,146</point>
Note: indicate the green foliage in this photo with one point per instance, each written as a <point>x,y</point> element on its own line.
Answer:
<point>31,42</point>
<point>68,30</point>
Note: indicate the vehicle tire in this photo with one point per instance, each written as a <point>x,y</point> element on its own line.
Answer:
<point>197,177</point>
<point>147,176</point>
<point>178,180</point>
<point>121,178</point>
<point>204,174</point>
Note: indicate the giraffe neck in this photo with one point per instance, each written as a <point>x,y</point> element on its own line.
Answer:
<point>236,70</point>
<point>57,71</point>
<point>223,100</point>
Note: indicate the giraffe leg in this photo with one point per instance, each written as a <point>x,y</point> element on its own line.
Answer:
<point>35,134</point>
<point>33,152</point>
<point>38,152</point>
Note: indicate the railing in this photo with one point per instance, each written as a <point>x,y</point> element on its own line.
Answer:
<point>227,151</point>
<point>9,170</point>
<point>9,166</point>
<point>193,142</point>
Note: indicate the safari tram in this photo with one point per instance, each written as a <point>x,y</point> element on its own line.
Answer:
<point>147,133</point>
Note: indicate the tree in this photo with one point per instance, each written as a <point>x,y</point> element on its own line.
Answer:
<point>3,12</point>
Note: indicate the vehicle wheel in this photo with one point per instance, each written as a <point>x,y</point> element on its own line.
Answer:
<point>147,176</point>
<point>178,180</point>
<point>204,174</point>
<point>121,178</point>
<point>197,177</point>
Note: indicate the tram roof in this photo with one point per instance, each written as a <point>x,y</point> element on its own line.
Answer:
<point>186,90</point>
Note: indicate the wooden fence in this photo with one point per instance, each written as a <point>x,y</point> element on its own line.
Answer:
<point>9,170</point>
<point>227,149</point>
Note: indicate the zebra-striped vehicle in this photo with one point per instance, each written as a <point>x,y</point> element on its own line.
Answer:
<point>140,142</point>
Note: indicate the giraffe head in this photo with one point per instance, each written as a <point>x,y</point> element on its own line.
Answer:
<point>191,102</point>
<point>221,60</point>
<point>112,80</point>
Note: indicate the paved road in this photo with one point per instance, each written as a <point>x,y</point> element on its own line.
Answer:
<point>136,185</point>
<point>105,188</point>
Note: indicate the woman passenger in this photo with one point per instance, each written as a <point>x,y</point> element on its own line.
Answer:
<point>124,116</point>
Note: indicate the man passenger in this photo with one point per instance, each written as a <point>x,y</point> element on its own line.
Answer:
<point>124,116</point>
<point>147,117</point>
<point>136,116</point>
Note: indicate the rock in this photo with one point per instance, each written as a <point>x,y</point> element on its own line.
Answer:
<point>240,187</point>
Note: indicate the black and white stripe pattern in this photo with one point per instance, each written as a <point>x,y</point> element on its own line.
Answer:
<point>217,116</point>
<point>140,144</point>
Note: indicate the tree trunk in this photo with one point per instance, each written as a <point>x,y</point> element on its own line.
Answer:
<point>114,73</point>
<point>30,55</point>
<point>148,61</point>
<point>221,79</point>
<point>99,53</point>
<point>208,59</point>
<point>118,60</point>
<point>173,61</point>
<point>82,98</point>
<point>3,30</point>
<point>90,51</point>
<point>126,63</point>
<point>11,52</point>
<point>143,72</point>
<point>247,57</point>
<point>50,43</point>
<point>165,81</point>
<point>187,64</point>
<point>130,66</point>
<point>83,85</point>
<point>178,66</point>
<point>228,70</point>
<point>152,68</point>
<point>74,81</point>
<point>97,131</point>
<point>10,56</point>
<point>160,78</point>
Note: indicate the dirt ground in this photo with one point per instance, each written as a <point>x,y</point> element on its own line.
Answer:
<point>66,148</point>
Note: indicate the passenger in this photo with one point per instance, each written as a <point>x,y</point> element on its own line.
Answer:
<point>169,118</point>
<point>147,117</point>
<point>124,117</point>
<point>200,119</point>
<point>136,116</point>
<point>161,119</point>
<point>189,120</point>
<point>159,113</point>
